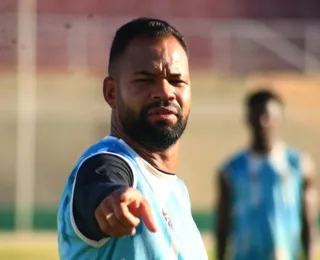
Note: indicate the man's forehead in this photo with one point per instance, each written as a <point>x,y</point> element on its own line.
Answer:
<point>146,53</point>
<point>274,107</point>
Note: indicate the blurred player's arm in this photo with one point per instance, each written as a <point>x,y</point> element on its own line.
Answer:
<point>309,209</point>
<point>97,178</point>
<point>223,216</point>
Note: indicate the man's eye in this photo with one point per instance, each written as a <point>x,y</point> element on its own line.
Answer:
<point>144,80</point>
<point>176,82</point>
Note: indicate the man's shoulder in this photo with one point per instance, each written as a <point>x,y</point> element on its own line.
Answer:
<point>108,144</point>
<point>236,159</point>
<point>301,160</point>
<point>296,156</point>
<point>293,151</point>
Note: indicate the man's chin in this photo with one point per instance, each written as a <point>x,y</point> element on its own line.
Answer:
<point>162,119</point>
<point>162,124</point>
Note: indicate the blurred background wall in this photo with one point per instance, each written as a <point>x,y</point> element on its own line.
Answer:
<point>53,58</point>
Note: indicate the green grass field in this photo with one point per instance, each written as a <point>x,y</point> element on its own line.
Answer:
<point>29,253</point>
<point>44,247</point>
<point>37,247</point>
<point>47,253</point>
<point>36,253</point>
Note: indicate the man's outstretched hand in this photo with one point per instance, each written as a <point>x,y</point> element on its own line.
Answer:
<point>118,214</point>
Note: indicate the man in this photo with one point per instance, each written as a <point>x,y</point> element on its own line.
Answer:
<point>122,199</point>
<point>267,198</point>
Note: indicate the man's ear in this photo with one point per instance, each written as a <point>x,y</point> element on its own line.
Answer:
<point>109,91</point>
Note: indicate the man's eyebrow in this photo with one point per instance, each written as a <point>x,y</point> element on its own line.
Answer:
<point>144,73</point>
<point>151,74</point>
<point>175,75</point>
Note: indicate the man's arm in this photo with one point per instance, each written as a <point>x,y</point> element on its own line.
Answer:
<point>223,216</point>
<point>97,178</point>
<point>309,209</point>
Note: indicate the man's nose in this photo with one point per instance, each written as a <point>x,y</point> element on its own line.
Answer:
<point>163,90</point>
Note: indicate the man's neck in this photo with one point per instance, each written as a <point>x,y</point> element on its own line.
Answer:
<point>264,149</point>
<point>261,149</point>
<point>163,160</point>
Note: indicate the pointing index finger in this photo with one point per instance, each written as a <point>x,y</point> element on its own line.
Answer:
<point>146,214</point>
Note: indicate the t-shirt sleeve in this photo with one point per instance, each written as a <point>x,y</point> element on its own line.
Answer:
<point>97,178</point>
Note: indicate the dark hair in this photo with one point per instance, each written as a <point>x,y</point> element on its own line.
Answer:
<point>262,97</point>
<point>148,27</point>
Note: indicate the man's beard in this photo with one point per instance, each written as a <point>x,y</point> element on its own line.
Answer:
<point>158,136</point>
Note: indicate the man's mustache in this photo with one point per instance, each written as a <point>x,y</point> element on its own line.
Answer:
<point>161,103</point>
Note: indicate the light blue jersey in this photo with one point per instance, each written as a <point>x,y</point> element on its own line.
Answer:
<point>266,204</point>
<point>177,238</point>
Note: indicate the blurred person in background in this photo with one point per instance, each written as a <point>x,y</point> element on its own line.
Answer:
<point>123,199</point>
<point>267,199</point>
